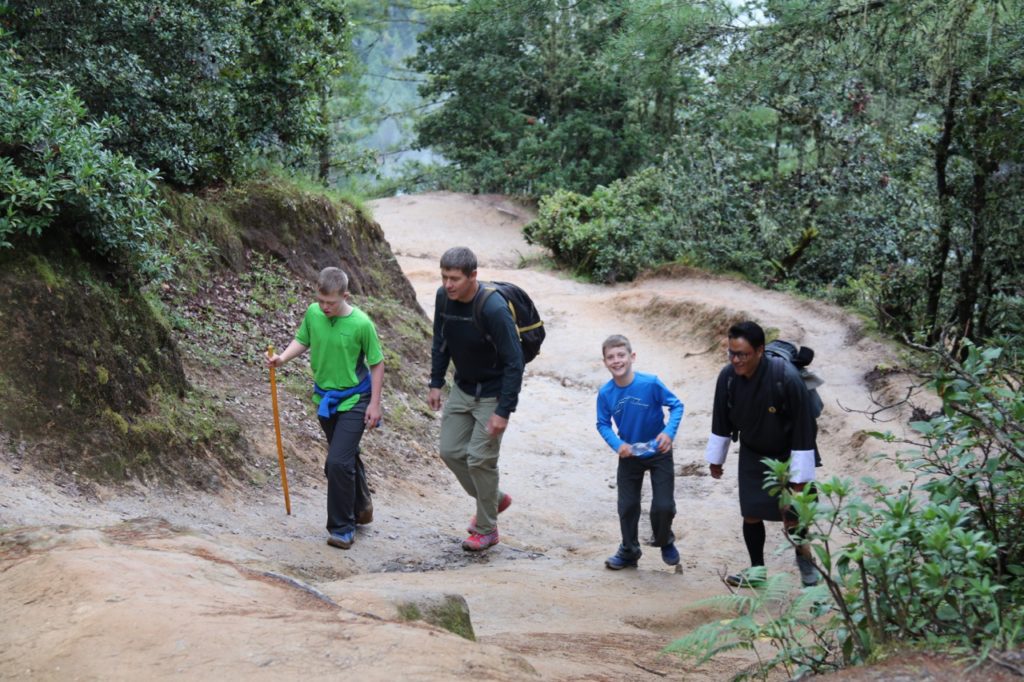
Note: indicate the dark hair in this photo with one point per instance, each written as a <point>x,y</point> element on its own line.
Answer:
<point>750,331</point>
<point>459,258</point>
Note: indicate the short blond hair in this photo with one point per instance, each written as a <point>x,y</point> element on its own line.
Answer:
<point>615,341</point>
<point>332,281</point>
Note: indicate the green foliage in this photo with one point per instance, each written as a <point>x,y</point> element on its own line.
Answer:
<point>527,102</point>
<point>610,235</point>
<point>57,174</point>
<point>771,614</point>
<point>201,86</point>
<point>870,152</point>
<point>935,563</point>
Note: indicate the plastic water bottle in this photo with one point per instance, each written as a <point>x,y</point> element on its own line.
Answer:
<point>647,449</point>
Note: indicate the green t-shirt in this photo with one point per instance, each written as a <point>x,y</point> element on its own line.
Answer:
<point>340,348</point>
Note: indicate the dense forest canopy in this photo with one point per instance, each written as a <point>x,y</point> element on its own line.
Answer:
<point>869,151</point>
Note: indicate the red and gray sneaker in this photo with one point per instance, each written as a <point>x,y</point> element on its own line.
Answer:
<point>503,504</point>
<point>477,542</point>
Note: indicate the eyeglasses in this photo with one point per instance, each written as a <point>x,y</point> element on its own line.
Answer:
<point>740,355</point>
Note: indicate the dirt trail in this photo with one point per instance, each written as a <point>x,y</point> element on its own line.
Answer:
<point>158,599</point>
<point>560,471</point>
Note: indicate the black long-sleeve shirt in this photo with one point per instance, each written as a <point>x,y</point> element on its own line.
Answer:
<point>493,369</point>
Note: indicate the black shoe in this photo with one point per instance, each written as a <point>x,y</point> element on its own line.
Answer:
<point>748,577</point>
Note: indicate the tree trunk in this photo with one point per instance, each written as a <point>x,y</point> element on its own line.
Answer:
<point>982,326</point>
<point>972,274</point>
<point>940,254</point>
<point>972,277</point>
<point>800,152</point>
<point>775,149</point>
<point>325,140</point>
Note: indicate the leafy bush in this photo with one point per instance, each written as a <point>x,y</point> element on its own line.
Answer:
<point>611,235</point>
<point>56,172</point>
<point>937,563</point>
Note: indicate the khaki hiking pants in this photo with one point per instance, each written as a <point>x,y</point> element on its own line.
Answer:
<point>471,453</point>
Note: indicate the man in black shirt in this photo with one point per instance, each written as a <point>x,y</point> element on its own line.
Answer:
<point>769,424</point>
<point>488,362</point>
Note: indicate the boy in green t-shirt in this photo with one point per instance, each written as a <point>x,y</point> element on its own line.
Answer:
<point>348,372</point>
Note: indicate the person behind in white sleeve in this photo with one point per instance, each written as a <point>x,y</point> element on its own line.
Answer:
<point>745,407</point>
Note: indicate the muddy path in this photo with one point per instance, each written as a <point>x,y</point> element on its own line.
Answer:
<point>542,603</point>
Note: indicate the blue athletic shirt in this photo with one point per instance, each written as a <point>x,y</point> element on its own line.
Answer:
<point>637,411</point>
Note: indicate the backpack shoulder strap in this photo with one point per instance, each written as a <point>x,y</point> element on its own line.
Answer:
<point>441,307</point>
<point>482,294</point>
<point>778,371</point>
<point>730,394</point>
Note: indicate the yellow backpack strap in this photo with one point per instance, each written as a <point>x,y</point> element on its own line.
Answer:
<point>512,310</point>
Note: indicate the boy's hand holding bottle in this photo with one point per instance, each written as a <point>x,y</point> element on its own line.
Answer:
<point>661,443</point>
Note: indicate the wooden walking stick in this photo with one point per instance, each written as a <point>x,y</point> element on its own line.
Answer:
<point>277,429</point>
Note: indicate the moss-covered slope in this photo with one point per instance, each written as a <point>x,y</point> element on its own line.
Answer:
<point>93,378</point>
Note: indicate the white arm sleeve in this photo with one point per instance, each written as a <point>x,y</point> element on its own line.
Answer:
<point>717,449</point>
<point>801,466</point>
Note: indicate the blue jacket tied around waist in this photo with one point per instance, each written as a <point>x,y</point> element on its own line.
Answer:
<point>329,400</point>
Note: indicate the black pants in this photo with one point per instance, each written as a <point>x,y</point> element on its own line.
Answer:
<point>630,480</point>
<point>347,490</point>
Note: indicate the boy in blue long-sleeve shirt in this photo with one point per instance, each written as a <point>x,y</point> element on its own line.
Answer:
<point>635,402</point>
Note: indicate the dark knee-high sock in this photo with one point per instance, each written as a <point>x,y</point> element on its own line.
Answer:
<point>753,535</point>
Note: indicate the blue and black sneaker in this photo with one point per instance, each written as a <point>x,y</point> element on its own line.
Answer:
<point>670,555</point>
<point>617,562</point>
<point>341,540</point>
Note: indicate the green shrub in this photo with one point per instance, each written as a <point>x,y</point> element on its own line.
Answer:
<point>611,235</point>
<point>937,563</point>
<point>56,172</point>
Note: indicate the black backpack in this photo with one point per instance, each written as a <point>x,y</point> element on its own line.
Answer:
<point>800,358</point>
<point>524,314</point>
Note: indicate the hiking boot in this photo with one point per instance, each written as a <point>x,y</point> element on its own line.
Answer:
<point>477,542</point>
<point>364,517</point>
<point>752,577</point>
<point>670,555</point>
<point>809,575</point>
<point>503,504</point>
<point>617,562</point>
<point>341,540</point>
